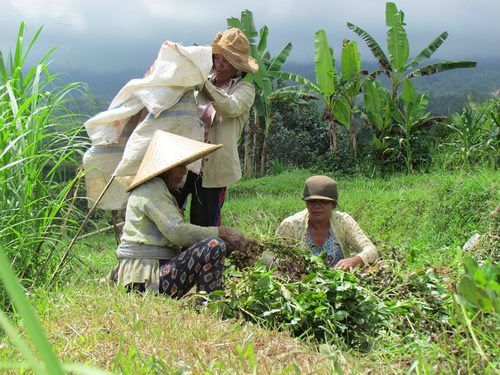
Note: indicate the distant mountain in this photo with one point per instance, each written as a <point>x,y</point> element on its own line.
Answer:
<point>447,90</point>
<point>106,85</point>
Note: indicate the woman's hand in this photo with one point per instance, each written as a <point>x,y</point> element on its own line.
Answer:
<point>205,91</point>
<point>254,241</point>
<point>350,263</point>
<point>231,236</point>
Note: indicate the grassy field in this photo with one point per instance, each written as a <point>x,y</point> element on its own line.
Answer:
<point>419,224</point>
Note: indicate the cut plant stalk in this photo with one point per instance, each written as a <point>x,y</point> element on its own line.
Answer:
<point>66,253</point>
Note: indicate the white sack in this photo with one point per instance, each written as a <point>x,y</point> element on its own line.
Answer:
<point>181,119</point>
<point>176,70</point>
<point>168,94</point>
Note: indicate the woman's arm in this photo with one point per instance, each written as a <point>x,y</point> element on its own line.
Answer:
<point>357,242</point>
<point>235,104</point>
<point>162,210</point>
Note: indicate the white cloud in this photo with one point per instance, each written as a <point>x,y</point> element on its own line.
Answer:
<point>193,11</point>
<point>100,33</point>
<point>59,11</point>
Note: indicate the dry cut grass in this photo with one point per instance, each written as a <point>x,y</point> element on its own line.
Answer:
<point>104,327</point>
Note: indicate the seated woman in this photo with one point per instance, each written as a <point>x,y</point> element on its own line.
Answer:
<point>322,229</point>
<point>159,250</point>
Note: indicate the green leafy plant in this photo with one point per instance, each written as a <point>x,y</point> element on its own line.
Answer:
<point>475,133</point>
<point>378,113</point>
<point>409,110</point>
<point>410,117</point>
<point>325,305</point>
<point>480,285</point>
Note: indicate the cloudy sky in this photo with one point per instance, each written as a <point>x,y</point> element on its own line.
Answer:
<point>113,35</point>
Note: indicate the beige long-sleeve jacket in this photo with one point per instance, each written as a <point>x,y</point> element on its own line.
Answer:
<point>154,229</point>
<point>352,239</point>
<point>231,109</point>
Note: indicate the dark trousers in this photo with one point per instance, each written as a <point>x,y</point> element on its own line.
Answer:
<point>206,203</point>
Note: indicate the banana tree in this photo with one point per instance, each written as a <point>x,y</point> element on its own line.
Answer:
<point>350,82</point>
<point>411,116</point>
<point>337,93</point>
<point>378,114</point>
<point>262,81</point>
<point>397,67</point>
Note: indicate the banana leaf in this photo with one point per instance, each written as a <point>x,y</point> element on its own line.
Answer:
<point>374,47</point>
<point>262,46</point>
<point>292,92</point>
<point>409,93</point>
<point>441,67</point>
<point>350,61</point>
<point>342,111</point>
<point>324,64</point>
<point>427,52</point>
<point>372,98</point>
<point>277,63</point>
<point>397,44</point>
<point>286,76</point>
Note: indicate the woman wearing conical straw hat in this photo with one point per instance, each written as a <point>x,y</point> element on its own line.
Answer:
<point>224,102</point>
<point>159,250</point>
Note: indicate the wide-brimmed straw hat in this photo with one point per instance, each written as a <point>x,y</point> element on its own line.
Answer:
<point>234,46</point>
<point>320,187</point>
<point>166,151</point>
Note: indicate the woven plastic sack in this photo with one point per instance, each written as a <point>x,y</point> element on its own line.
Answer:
<point>120,135</point>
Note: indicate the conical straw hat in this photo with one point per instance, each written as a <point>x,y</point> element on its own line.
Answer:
<point>166,151</point>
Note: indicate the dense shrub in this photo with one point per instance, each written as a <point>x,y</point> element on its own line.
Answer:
<point>298,135</point>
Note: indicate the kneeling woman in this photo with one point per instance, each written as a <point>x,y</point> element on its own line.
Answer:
<point>322,229</point>
<point>159,250</point>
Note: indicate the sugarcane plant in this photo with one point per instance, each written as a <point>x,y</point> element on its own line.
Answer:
<point>39,139</point>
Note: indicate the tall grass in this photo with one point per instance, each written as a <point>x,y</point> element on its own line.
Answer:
<point>39,140</point>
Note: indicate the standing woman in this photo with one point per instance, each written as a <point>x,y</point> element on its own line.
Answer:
<point>159,250</point>
<point>322,229</point>
<point>224,102</point>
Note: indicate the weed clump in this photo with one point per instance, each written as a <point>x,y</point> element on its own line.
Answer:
<point>284,255</point>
